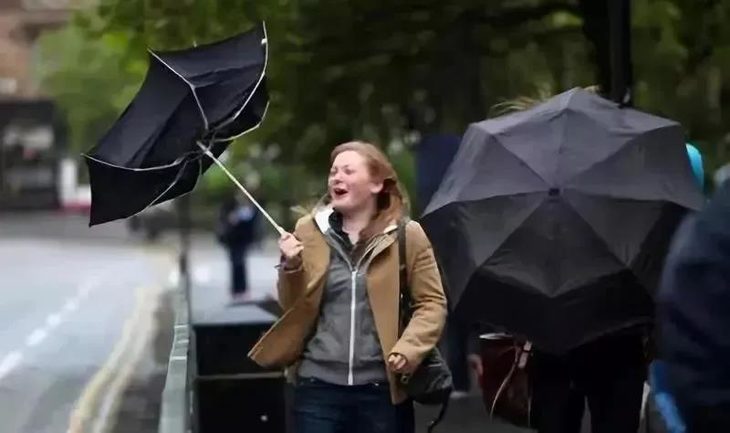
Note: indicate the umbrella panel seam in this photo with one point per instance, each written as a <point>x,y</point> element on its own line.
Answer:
<point>190,85</point>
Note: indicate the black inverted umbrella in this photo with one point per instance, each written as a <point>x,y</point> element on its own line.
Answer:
<point>191,105</point>
<point>552,223</point>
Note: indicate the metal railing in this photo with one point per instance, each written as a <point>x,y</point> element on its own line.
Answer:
<point>175,411</point>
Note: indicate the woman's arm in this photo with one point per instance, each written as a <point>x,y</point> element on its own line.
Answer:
<point>292,278</point>
<point>427,295</point>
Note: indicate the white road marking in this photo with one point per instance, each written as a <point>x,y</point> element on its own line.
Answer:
<point>36,337</point>
<point>86,288</point>
<point>14,358</point>
<point>70,306</point>
<point>54,320</point>
<point>202,274</point>
<point>143,329</point>
<point>9,363</point>
<point>99,398</point>
<point>174,278</point>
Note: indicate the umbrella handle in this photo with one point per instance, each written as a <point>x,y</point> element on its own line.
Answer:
<point>241,187</point>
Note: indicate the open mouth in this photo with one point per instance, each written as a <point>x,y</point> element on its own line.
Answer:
<point>338,192</point>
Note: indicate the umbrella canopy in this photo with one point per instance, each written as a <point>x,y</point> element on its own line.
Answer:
<point>553,222</point>
<point>191,100</point>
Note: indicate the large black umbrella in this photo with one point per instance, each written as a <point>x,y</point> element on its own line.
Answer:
<point>191,105</point>
<point>553,223</point>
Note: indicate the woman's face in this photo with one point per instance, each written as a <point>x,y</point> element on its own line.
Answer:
<point>350,185</point>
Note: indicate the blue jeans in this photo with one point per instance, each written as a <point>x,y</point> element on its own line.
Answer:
<point>321,407</point>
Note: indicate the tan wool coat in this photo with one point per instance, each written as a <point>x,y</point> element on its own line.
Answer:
<point>300,294</point>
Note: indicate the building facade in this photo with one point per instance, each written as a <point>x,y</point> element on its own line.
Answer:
<point>31,130</point>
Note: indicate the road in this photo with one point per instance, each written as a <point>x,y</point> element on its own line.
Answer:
<point>71,302</point>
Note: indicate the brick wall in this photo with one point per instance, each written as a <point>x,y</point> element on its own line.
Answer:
<point>14,56</point>
<point>20,23</point>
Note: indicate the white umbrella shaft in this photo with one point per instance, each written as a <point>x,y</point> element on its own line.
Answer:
<point>242,188</point>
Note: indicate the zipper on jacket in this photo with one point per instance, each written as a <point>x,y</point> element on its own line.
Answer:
<point>353,305</point>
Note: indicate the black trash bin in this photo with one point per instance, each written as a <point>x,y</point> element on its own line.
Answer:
<point>232,393</point>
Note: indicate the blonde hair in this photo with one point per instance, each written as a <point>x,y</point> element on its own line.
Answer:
<point>526,102</point>
<point>391,201</point>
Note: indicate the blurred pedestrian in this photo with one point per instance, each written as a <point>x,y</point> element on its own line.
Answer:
<point>662,414</point>
<point>236,232</point>
<point>339,286</point>
<point>694,318</point>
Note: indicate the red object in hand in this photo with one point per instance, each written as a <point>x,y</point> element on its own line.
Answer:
<point>503,378</point>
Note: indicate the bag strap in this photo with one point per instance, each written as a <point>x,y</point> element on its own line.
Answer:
<point>405,295</point>
<point>405,307</point>
<point>440,417</point>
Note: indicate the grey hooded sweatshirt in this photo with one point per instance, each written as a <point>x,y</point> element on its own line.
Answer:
<point>344,348</point>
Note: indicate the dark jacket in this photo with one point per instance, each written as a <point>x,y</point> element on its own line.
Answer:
<point>694,317</point>
<point>236,224</point>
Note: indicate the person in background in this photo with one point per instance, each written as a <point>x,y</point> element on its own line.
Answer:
<point>664,403</point>
<point>236,232</point>
<point>694,317</point>
<point>434,155</point>
<point>607,373</point>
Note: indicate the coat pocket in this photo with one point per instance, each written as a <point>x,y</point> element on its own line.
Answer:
<point>282,344</point>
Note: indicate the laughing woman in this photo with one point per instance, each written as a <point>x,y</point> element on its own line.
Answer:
<point>338,285</point>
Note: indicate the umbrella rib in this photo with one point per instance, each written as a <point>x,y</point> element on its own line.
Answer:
<point>207,151</point>
<point>501,195</point>
<point>619,150</point>
<point>154,202</point>
<point>222,140</point>
<point>593,230</point>
<point>192,87</point>
<point>496,138</point>
<point>265,43</point>
<point>142,169</point>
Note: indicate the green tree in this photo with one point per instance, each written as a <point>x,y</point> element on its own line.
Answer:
<point>338,70</point>
<point>88,79</point>
<point>381,70</point>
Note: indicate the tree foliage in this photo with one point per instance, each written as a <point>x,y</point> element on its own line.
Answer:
<point>383,71</point>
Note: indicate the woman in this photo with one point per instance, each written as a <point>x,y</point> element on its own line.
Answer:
<point>338,285</point>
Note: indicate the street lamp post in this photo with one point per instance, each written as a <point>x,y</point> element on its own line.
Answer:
<point>619,16</point>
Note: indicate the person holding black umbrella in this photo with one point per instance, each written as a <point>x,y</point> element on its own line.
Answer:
<point>339,286</point>
<point>551,225</point>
